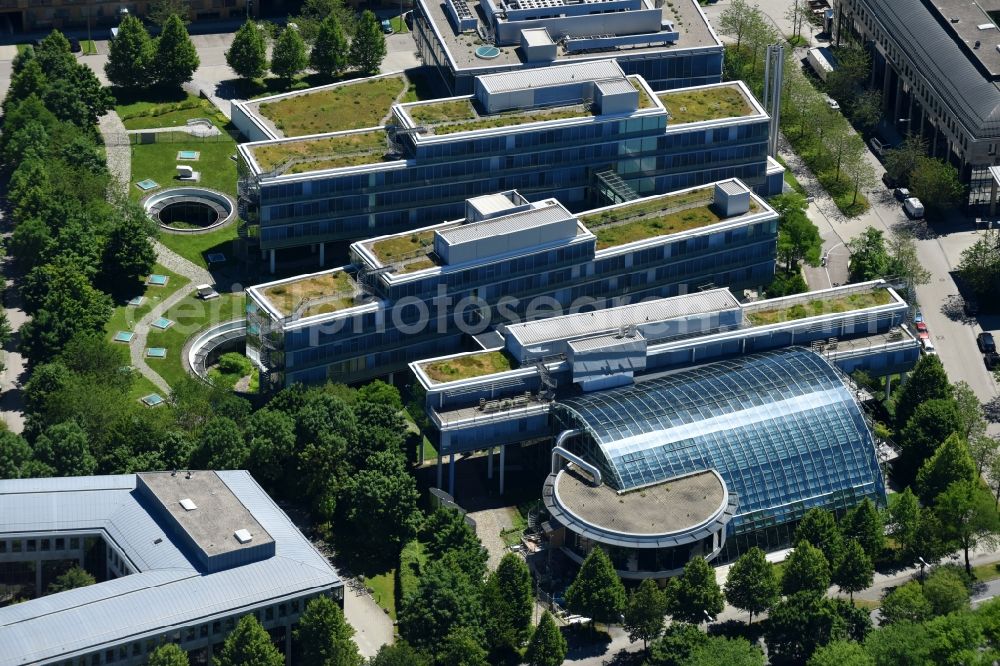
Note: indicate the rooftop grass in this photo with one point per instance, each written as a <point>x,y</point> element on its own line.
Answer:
<point>820,306</point>
<point>148,115</point>
<point>396,248</point>
<point>287,296</point>
<point>418,264</point>
<point>447,111</point>
<point>346,107</point>
<point>159,162</point>
<point>513,118</point>
<point>689,106</point>
<point>658,217</point>
<point>325,153</point>
<point>465,367</point>
<point>125,316</point>
<point>644,99</point>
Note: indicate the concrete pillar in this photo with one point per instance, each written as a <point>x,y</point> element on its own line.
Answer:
<point>503,450</point>
<point>271,261</point>
<point>934,142</point>
<point>288,644</point>
<point>888,386</point>
<point>899,101</point>
<point>993,197</point>
<point>391,377</point>
<point>322,254</point>
<point>438,470</point>
<point>451,474</point>
<point>38,579</point>
<point>886,82</point>
<point>489,463</point>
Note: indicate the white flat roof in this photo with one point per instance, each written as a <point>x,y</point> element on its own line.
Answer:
<point>543,77</point>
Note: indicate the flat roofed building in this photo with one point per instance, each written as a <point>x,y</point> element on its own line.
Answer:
<point>669,44</point>
<point>182,557</point>
<point>708,461</point>
<point>421,294</point>
<point>584,133</point>
<point>937,66</point>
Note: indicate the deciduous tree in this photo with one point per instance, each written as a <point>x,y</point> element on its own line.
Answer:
<point>176,58</point>
<point>289,55</point>
<point>249,645</point>
<point>247,55</point>
<point>597,592</point>
<point>381,502</point>
<point>446,531</point>
<point>65,448</point>
<point>968,517</point>
<point>906,603</point>
<point>324,637</point>
<point>806,570</point>
<point>936,182</point>
<point>547,646</point>
<point>751,584</point>
<point>330,51</point>
<point>130,55</point>
<point>509,603</point>
<point>819,528</point>
<point>73,578</point>
<point>840,653</point>
<point>463,647</point>
<point>951,463</point>
<point>645,612</point>
<point>932,423</point>
<point>864,524</point>
<point>368,46</point>
<point>695,593</point>
<point>724,651</point>
<point>169,654</point>
<point>854,570</point>
<point>444,600</point>
<point>869,256</point>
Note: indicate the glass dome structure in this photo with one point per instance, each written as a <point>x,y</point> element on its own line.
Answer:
<point>781,428</point>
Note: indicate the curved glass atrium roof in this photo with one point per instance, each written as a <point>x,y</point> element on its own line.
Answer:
<point>780,427</point>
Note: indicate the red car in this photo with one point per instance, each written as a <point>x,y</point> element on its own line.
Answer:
<point>921,327</point>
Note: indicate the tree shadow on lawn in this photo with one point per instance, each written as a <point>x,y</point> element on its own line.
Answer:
<point>250,89</point>
<point>154,95</point>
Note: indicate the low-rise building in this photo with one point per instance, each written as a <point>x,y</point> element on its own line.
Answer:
<point>669,44</point>
<point>585,134</point>
<point>179,558</point>
<point>429,292</point>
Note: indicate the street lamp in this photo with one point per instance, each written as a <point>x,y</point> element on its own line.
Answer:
<point>708,617</point>
<point>923,564</point>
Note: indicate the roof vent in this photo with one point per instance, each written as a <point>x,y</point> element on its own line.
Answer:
<point>243,536</point>
<point>954,19</point>
<point>976,45</point>
<point>188,504</point>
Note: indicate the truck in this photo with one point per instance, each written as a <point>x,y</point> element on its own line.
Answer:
<point>821,61</point>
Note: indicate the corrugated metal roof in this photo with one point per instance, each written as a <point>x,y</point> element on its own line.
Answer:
<point>543,77</point>
<point>603,342</point>
<point>938,58</point>
<point>549,213</point>
<point>167,593</point>
<point>612,319</point>
<point>616,87</point>
<point>732,187</point>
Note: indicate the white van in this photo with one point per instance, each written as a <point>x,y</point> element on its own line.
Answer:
<point>913,208</point>
<point>928,347</point>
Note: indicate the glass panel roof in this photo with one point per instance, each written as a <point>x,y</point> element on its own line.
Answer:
<point>780,427</point>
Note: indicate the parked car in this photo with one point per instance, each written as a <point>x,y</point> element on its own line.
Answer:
<point>992,360</point>
<point>387,27</point>
<point>918,317</point>
<point>928,346</point>
<point>878,146</point>
<point>888,180</point>
<point>74,45</point>
<point>986,343</point>
<point>923,335</point>
<point>921,327</point>
<point>832,103</point>
<point>901,193</point>
<point>913,208</point>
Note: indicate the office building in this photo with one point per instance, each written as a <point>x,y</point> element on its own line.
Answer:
<point>34,16</point>
<point>179,558</point>
<point>669,44</point>
<point>585,134</point>
<point>429,292</point>
<point>937,66</point>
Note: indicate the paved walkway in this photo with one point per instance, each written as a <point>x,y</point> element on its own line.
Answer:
<point>117,148</point>
<point>489,524</point>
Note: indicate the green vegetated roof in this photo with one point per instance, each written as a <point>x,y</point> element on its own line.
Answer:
<point>332,291</point>
<point>689,106</point>
<point>395,248</point>
<point>819,306</point>
<point>353,105</point>
<point>656,217</point>
<point>644,99</point>
<point>329,152</point>
<point>468,366</point>
<point>461,115</point>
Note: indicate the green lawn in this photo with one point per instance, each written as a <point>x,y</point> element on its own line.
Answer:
<point>790,178</point>
<point>705,104</point>
<point>190,316</point>
<point>125,316</point>
<point>350,106</point>
<point>465,367</point>
<point>194,247</point>
<point>398,24</point>
<point>820,306</point>
<point>383,589</point>
<point>159,162</point>
<point>142,387</point>
<point>88,47</point>
<point>985,572</point>
<point>145,115</point>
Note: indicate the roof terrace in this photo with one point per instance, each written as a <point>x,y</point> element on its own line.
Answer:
<point>467,366</point>
<point>461,115</point>
<point>816,304</point>
<point>407,252</point>
<point>309,295</point>
<point>316,153</point>
<point>657,216</point>
<point>693,105</point>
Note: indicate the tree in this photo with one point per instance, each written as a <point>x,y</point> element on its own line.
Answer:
<point>130,55</point>
<point>933,422</point>
<point>936,182</point>
<point>858,169</point>
<point>597,592</point>
<point>798,237</point>
<point>313,13</point>
<point>902,160</point>
<point>508,603</point>
<point>368,46</point>
<point>221,445</point>
<point>249,645</point>
<point>128,253</point>
<point>968,517</point>
<point>900,644</point>
<point>904,522</point>
<point>678,642</point>
<point>955,640</point>
<point>864,524</point>
<point>840,653</point>
<point>14,455</point>
<point>65,448</point>
<point>271,437</point>
<point>751,584</point>
<point>695,593</point>
<point>644,613</point>
<point>329,53</point>
<point>446,531</point>
<point>983,450</point>
<point>247,55</point>
<point>853,69</point>
<point>799,625</point>
<point>867,110</point>
<point>73,578</point>
<point>723,651</point>
<point>547,646</point>
<point>819,528</point>
<point>325,637</point>
<point>905,262</point>
<point>796,14</point>
<point>160,11</point>
<point>951,463</point>
<point>169,654</point>
<point>869,257</point>
<point>735,20</point>
<point>399,653</point>
<point>463,647</point>
<point>906,603</point>
<point>381,502</point>
<point>980,264</point>
<point>176,58</point>
<point>806,570</point>
<point>946,591</point>
<point>854,570</point>
<point>289,56</point>
<point>443,600</point>
<point>970,410</point>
